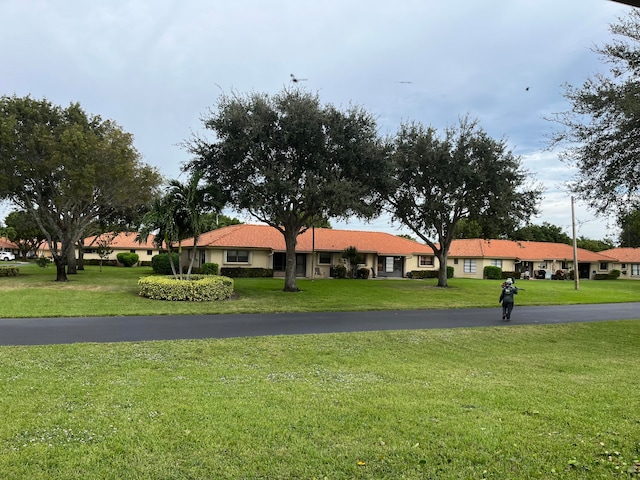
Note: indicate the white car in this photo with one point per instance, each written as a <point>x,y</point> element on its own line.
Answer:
<point>6,256</point>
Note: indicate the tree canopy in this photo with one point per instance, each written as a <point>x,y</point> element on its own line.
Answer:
<point>27,236</point>
<point>440,180</point>
<point>68,169</point>
<point>600,134</point>
<point>287,159</point>
<point>542,233</point>
<point>630,227</point>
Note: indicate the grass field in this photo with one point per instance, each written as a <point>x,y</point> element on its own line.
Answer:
<point>517,402</point>
<point>114,292</point>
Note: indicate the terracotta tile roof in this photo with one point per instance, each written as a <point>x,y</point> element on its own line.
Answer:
<point>124,240</point>
<point>6,243</point>
<point>326,239</point>
<point>522,250</point>
<point>624,255</point>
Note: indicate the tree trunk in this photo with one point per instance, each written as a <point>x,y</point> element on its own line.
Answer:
<point>81,254</point>
<point>71,262</point>
<point>442,273</point>
<point>61,271</point>
<point>290,284</point>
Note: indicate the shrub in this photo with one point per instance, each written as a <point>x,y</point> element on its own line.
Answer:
<point>43,262</point>
<point>613,274</point>
<point>492,272</point>
<point>363,273</point>
<point>209,269</point>
<point>420,274</point>
<point>239,272</point>
<point>160,263</point>
<point>9,271</point>
<point>339,271</point>
<point>200,288</point>
<point>128,259</point>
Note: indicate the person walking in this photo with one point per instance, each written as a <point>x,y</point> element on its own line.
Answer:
<point>506,298</point>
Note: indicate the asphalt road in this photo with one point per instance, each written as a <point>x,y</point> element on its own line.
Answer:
<point>47,331</point>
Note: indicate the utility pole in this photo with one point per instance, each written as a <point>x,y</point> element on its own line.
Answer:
<point>576,273</point>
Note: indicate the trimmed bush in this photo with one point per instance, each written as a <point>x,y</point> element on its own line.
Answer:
<point>128,259</point>
<point>339,271</point>
<point>9,271</point>
<point>43,262</point>
<point>363,273</point>
<point>209,269</point>
<point>492,272</point>
<point>96,261</point>
<point>200,288</point>
<point>160,263</point>
<point>420,274</point>
<point>239,272</point>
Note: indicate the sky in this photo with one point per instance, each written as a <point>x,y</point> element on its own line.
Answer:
<point>157,67</point>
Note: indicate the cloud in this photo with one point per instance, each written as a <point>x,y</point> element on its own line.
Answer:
<point>156,67</point>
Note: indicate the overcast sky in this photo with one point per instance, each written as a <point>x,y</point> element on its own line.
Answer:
<point>155,67</point>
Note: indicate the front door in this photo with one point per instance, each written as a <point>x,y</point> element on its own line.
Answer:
<point>301,265</point>
<point>390,266</point>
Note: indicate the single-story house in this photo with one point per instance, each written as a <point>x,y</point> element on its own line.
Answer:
<point>628,261</point>
<point>317,251</point>
<point>7,245</point>
<point>122,242</point>
<point>469,257</point>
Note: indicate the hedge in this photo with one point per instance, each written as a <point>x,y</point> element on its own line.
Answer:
<point>429,273</point>
<point>612,275</point>
<point>200,288</point>
<point>492,272</point>
<point>239,272</point>
<point>128,259</point>
<point>160,263</point>
<point>9,271</point>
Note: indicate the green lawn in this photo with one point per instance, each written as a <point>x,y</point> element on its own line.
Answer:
<point>505,402</point>
<point>114,292</point>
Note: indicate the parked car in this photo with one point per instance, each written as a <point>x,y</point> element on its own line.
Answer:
<point>6,256</point>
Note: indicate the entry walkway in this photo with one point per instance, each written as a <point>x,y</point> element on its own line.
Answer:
<point>46,331</point>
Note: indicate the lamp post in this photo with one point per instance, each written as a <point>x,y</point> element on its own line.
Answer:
<point>576,273</point>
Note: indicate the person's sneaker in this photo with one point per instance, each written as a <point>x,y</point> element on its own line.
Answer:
<point>508,319</point>
<point>504,316</point>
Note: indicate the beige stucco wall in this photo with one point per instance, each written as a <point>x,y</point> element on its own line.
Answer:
<point>627,269</point>
<point>143,254</point>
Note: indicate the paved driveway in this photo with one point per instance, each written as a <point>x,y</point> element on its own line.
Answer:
<point>44,331</point>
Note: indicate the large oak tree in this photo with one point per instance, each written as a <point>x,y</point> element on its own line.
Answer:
<point>68,169</point>
<point>441,179</point>
<point>600,134</point>
<point>287,159</point>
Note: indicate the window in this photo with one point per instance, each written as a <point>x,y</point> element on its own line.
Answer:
<point>455,261</point>
<point>565,265</point>
<point>425,261</point>
<point>635,269</point>
<point>604,266</point>
<point>324,257</point>
<point>624,265</point>
<point>237,256</point>
<point>496,263</point>
<point>149,252</point>
<point>132,251</point>
<point>469,266</point>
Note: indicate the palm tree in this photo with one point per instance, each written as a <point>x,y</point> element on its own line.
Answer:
<point>179,215</point>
